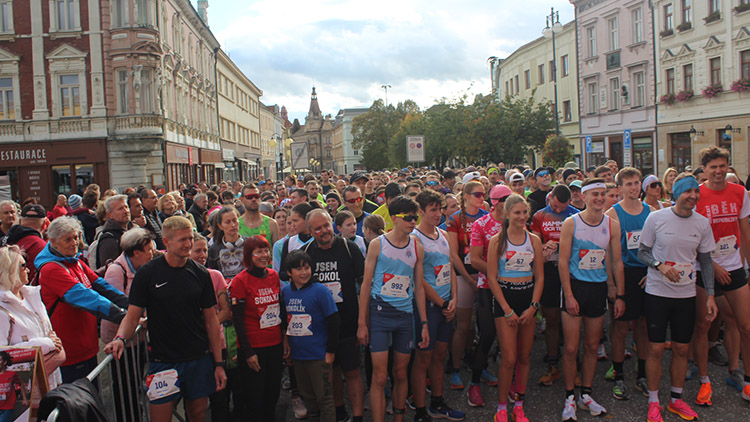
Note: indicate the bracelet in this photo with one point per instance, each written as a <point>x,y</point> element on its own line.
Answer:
<point>621,297</point>
<point>121,338</point>
<point>220,365</point>
<point>510,314</point>
<point>425,322</point>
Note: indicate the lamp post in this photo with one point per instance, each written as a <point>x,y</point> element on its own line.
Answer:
<point>387,128</point>
<point>493,61</point>
<point>553,27</point>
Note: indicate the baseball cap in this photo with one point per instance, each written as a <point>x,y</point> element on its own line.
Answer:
<point>359,175</point>
<point>499,192</point>
<point>471,169</point>
<point>516,177</point>
<point>571,165</point>
<point>33,211</point>
<point>468,177</point>
<point>576,184</point>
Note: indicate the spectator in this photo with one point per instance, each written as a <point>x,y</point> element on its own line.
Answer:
<point>61,207</point>
<point>8,216</point>
<point>118,219</point>
<point>153,221</point>
<point>197,210</point>
<point>28,234</point>
<point>87,216</point>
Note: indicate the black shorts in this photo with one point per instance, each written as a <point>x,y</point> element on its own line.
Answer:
<point>552,288</point>
<point>634,294</point>
<point>739,279</point>
<point>518,296</point>
<point>591,297</point>
<point>678,313</point>
<point>347,354</point>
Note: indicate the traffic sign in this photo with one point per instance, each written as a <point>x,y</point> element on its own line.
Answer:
<point>415,149</point>
<point>627,148</point>
<point>588,145</point>
<point>300,155</point>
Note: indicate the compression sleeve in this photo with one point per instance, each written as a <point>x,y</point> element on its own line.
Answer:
<point>707,271</point>
<point>646,255</point>
<point>238,317</point>
<point>333,322</point>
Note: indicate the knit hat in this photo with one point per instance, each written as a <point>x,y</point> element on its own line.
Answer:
<point>74,201</point>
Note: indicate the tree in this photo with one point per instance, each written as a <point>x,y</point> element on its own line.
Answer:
<point>375,132</point>
<point>557,151</point>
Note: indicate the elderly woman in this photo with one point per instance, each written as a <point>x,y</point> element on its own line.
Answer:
<point>167,206</point>
<point>180,201</point>
<point>74,296</point>
<point>22,313</point>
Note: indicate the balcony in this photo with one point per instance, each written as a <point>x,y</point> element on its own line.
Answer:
<point>141,124</point>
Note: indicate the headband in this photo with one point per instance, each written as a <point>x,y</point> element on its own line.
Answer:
<point>684,185</point>
<point>597,185</point>
<point>648,180</point>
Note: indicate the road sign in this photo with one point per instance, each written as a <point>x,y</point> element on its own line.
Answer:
<point>627,148</point>
<point>588,145</point>
<point>415,149</point>
<point>300,155</point>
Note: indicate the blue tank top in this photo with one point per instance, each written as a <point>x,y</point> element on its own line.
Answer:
<point>437,260</point>
<point>517,261</point>
<point>630,234</point>
<point>393,280</point>
<point>589,250</point>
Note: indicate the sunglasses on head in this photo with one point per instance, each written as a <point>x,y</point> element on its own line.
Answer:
<point>252,196</point>
<point>477,194</point>
<point>655,185</point>
<point>432,183</point>
<point>407,217</point>
<point>354,200</point>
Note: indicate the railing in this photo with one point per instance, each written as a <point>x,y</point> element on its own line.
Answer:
<point>138,122</point>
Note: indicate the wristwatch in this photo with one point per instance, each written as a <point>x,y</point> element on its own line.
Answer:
<point>535,305</point>
<point>220,365</point>
<point>656,264</point>
<point>444,305</point>
<point>621,297</point>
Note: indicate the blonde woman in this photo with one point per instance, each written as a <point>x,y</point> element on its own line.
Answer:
<point>668,179</point>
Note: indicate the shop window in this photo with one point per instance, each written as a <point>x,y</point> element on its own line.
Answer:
<point>7,100</point>
<point>643,155</point>
<point>84,176</point>
<point>6,16</point>
<point>680,151</point>
<point>64,15</point>
<point>70,96</point>
<point>61,177</point>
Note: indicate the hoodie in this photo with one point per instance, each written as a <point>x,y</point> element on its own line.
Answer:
<point>30,241</point>
<point>74,296</point>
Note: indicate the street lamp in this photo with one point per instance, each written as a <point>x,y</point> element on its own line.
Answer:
<point>493,61</point>
<point>554,27</point>
<point>387,129</point>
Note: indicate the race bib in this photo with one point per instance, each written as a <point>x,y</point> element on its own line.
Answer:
<point>686,272</point>
<point>467,256</point>
<point>442,275</point>
<point>335,288</point>
<point>727,245</point>
<point>518,261</point>
<point>591,259</point>
<point>634,239</point>
<point>2,397</point>
<point>299,325</point>
<point>395,285</point>
<point>271,316</point>
<point>162,384</point>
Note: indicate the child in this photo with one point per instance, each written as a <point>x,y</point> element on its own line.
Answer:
<point>312,333</point>
<point>347,226</point>
<point>373,227</point>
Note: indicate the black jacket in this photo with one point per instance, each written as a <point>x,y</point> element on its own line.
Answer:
<point>76,401</point>
<point>109,242</point>
<point>200,223</point>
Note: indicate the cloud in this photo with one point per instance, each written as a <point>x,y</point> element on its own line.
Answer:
<point>425,50</point>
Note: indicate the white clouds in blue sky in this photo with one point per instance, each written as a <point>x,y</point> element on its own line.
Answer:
<point>425,50</point>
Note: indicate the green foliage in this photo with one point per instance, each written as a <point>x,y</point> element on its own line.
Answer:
<point>557,151</point>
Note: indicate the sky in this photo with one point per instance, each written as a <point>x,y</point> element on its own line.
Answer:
<point>424,49</point>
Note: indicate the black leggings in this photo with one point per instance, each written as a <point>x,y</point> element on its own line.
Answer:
<point>487,333</point>
<point>262,388</point>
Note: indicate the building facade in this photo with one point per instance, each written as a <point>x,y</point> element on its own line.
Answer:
<point>267,140</point>
<point>528,72</point>
<point>346,158</point>
<point>703,68</point>
<point>317,132</point>
<point>615,83</point>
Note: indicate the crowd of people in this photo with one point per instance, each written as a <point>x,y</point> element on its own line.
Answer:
<point>373,289</point>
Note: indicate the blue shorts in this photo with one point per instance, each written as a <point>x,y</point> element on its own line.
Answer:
<point>390,326</point>
<point>196,378</point>
<point>440,330</point>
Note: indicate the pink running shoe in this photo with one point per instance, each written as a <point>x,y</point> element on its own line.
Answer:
<point>501,416</point>
<point>681,409</point>
<point>654,412</point>
<point>519,415</point>
<point>475,396</point>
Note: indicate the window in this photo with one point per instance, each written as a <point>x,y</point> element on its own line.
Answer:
<point>612,28</point>
<point>687,73</point>
<point>593,98</point>
<point>6,16</point>
<point>66,12</point>
<point>147,91</point>
<point>614,94</point>
<point>668,17</point>
<point>565,65</point>
<point>120,13</point>
<point>176,34</point>
<point>639,94</point>
<point>591,40</point>
<point>680,147</point>
<point>745,64</point>
<point>122,90</point>
<point>670,81</point>
<point>567,113</point>
<point>7,103</point>
<point>714,6</point>
<point>507,89</point>
<point>552,69</point>
<point>527,78</point>
<point>637,17</point>
<point>144,12</point>
<point>70,96</point>
<point>715,66</point>
<point>687,11</point>
<point>541,74</point>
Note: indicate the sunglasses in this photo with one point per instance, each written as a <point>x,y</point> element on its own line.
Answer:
<point>354,200</point>
<point>655,185</point>
<point>499,199</point>
<point>409,218</point>
<point>477,194</point>
<point>251,196</point>
<point>542,174</point>
<point>432,183</point>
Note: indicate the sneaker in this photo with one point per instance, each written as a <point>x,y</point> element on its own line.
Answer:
<point>519,415</point>
<point>691,370</point>
<point>610,375</point>
<point>501,416</point>
<point>344,417</point>
<point>410,402</point>
<point>746,392</point>
<point>298,408</point>
<point>475,396</point>
<point>422,418</point>
<point>736,379</point>
<point>285,382</point>
<point>569,411</point>
<point>628,354</point>
<point>716,356</point>
<point>601,353</point>
<point>618,391</point>
<point>456,382</point>
<point>654,413</point>
<point>552,375</point>
<point>428,386</point>
<point>512,396</point>
<point>488,378</point>
<point>642,386</point>
<point>389,407</point>
<point>704,395</point>
<point>585,402</point>
<point>681,409</point>
<point>443,411</point>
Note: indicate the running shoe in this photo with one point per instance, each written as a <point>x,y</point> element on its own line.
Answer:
<point>618,391</point>
<point>443,411</point>
<point>691,370</point>
<point>716,356</point>
<point>552,375</point>
<point>298,408</point>
<point>585,402</point>
<point>456,382</point>
<point>736,379</point>
<point>654,412</point>
<point>488,378</point>
<point>428,386</point>
<point>569,411</point>
<point>512,395</point>
<point>610,375</point>
<point>704,395</point>
<point>410,402</point>
<point>475,396</point>
<point>501,416</point>
<point>746,392</point>
<point>285,382</point>
<point>601,352</point>
<point>681,409</point>
<point>389,407</point>
<point>519,415</point>
<point>642,386</point>
<point>343,417</point>
<point>628,354</point>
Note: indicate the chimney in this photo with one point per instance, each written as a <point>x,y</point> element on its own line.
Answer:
<point>202,10</point>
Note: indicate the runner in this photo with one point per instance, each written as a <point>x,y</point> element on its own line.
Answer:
<point>253,222</point>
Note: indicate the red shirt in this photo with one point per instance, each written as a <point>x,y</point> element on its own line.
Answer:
<point>261,296</point>
<point>463,232</point>
<point>724,208</point>
<point>481,232</point>
<point>8,379</point>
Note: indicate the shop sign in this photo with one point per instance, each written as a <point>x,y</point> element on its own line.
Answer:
<point>24,156</point>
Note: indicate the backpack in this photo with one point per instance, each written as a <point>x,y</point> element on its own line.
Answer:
<point>93,249</point>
